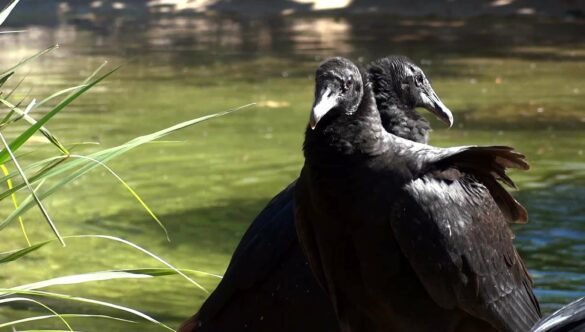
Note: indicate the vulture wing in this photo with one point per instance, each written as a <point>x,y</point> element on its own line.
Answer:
<point>267,282</point>
<point>451,223</point>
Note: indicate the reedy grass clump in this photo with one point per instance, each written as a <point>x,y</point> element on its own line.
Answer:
<point>62,169</point>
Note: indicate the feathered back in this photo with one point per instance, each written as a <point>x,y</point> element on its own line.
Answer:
<point>488,164</point>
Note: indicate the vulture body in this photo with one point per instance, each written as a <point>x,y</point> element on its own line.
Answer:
<point>268,285</point>
<point>404,236</point>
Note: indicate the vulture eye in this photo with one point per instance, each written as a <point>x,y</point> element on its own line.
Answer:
<point>419,80</point>
<point>348,84</point>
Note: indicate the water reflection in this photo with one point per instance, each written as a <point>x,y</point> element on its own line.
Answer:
<point>295,35</point>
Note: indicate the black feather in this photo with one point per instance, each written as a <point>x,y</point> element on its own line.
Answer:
<point>269,251</point>
<point>408,237</point>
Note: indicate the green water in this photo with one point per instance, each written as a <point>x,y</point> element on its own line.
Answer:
<point>509,81</point>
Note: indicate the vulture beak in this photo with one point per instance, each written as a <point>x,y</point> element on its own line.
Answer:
<point>325,100</point>
<point>431,102</point>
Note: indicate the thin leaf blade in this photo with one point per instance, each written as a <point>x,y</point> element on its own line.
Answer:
<point>22,138</point>
<point>6,11</point>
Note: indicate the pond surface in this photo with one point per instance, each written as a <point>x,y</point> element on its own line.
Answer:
<point>517,82</point>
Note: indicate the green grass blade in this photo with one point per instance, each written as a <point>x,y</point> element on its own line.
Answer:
<point>7,257</point>
<point>32,191</point>
<point>5,78</point>
<point>6,11</point>
<point>20,140</point>
<point>15,202</point>
<point>35,318</point>
<point>25,299</point>
<point>10,70</point>
<point>21,113</point>
<point>90,301</point>
<point>95,72</point>
<point>11,190</point>
<point>46,165</point>
<point>12,31</point>
<point>160,272</point>
<point>41,164</point>
<point>90,77</point>
<point>32,121</point>
<point>15,87</point>
<point>80,167</point>
<point>71,91</point>
<point>7,118</point>
<point>127,186</point>
<point>79,279</point>
<point>102,276</point>
<point>58,94</point>
<point>139,248</point>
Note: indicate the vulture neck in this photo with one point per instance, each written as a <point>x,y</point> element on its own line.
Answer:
<point>404,122</point>
<point>344,137</point>
<point>399,116</point>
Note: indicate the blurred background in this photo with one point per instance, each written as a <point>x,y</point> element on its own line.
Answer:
<point>512,71</point>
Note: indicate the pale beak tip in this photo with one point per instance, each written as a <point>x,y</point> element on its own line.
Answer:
<point>450,120</point>
<point>323,104</point>
<point>443,113</point>
<point>313,122</point>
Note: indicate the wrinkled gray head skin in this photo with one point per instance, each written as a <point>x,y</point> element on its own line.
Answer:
<point>338,88</point>
<point>404,84</point>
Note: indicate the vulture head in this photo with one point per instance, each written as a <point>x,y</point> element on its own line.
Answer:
<point>402,83</point>
<point>338,88</point>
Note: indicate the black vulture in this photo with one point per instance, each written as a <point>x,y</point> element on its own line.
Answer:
<point>570,318</point>
<point>268,285</point>
<point>404,236</point>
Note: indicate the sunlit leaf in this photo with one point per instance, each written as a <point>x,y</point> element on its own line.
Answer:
<point>15,87</point>
<point>58,94</point>
<point>11,31</point>
<point>47,331</point>
<point>132,192</point>
<point>32,121</point>
<point>86,300</point>
<point>159,272</point>
<point>6,11</point>
<point>5,78</point>
<point>80,167</point>
<point>15,202</point>
<point>139,273</point>
<point>102,276</point>
<point>22,138</point>
<point>32,191</point>
<point>9,71</point>
<point>135,246</point>
<point>25,299</point>
<point>42,317</point>
<point>11,256</point>
<point>81,278</point>
<point>14,255</point>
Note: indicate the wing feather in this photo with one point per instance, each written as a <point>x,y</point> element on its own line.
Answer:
<point>459,243</point>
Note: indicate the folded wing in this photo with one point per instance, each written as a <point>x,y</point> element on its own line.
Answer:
<point>451,222</point>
